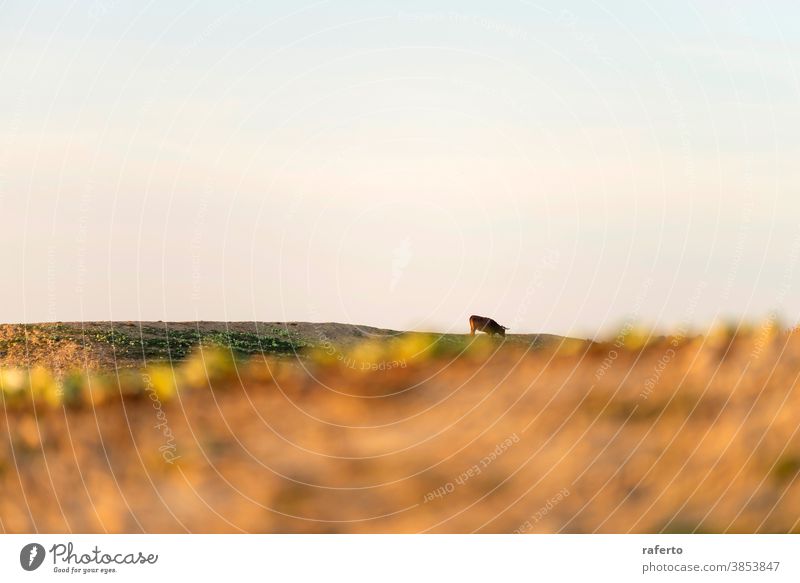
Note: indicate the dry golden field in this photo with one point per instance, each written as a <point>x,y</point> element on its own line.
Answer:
<point>412,434</point>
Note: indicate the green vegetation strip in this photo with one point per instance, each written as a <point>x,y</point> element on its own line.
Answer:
<point>162,343</point>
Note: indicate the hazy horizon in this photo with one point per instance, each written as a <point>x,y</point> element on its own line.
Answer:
<point>562,168</point>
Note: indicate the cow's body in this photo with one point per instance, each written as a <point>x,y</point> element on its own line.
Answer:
<point>483,324</point>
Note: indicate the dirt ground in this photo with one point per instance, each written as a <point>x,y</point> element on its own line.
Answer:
<point>678,435</point>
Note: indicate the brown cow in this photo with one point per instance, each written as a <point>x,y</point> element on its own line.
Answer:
<point>483,324</point>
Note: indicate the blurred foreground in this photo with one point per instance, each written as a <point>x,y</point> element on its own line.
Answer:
<point>413,434</point>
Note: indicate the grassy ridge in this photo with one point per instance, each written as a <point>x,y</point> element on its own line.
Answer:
<point>186,360</point>
<point>109,345</point>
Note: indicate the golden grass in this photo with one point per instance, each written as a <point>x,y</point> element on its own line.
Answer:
<point>416,434</point>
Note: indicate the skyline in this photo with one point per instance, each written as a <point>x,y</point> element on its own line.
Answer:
<point>560,169</point>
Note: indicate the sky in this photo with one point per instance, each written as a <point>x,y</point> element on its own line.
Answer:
<point>563,167</point>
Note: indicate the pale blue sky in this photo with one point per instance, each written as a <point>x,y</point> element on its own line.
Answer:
<point>559,166</point>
